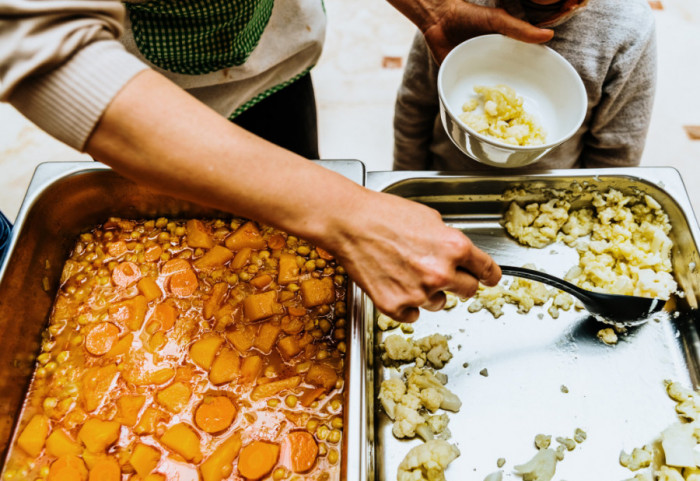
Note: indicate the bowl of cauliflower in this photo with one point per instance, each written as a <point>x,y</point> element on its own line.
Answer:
<point>507,103</point>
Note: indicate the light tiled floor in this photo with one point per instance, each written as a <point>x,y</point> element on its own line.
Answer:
<point>355,97</point>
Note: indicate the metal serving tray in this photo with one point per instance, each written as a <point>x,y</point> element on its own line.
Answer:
<point>65,199</point>
<point>615,393</point>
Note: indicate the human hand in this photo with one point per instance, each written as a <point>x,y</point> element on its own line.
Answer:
<point>447,23</point>
<point>404,256</point>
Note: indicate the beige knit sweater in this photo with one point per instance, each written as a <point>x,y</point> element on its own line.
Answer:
<point>63,61</point>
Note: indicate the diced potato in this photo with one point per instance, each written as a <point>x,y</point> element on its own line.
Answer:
<point>241,258</point>
<point>203,351</point>
<point>225,368</point>
<point>242,337</point>
<point>98,435</point>
<point>183,440</point>
<point>251,368</point>
<point>197,235</point>
<point>144,459</point>
<point>121,347</point>
<point>263,391</point>
<point>288,347</point>
<point>322,376</point>
<point>267,336</point>
<point>106,469</point>
<point>149,288</point>
<point>34,435</point>
<point>315,292</point>
<point>97,382</point>
<point>174,397</point>
<point>218,465</point>
<point>248,235</point>
<point>149,421</point>
<point>214,258</point>
<point>155,477</point>
<point>130,312</point>
<point>68,468</point>
<point>261,281</point>
<point>216,297</point>
<point>128,409</point>
<point>59,443</point>
<point>288,270</point>
<point>261,306</point>
<point>224,317</point>
<point>161,376</point>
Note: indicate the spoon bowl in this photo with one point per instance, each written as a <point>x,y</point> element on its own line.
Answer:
<point>614,309</point>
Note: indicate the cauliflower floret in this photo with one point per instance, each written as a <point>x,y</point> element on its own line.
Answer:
<point>451,300</point>
<point>385,322</point>
<point>427,461</point>
<point>435,349</point>
<point>538,224</point>
<point>431,399</point>
<point>666,473</point>
<point>438,424</point>
<point>608,336</point>
<point>391,392</point>
<point>540,468</point>
<point>407,403</point>
<point>406,422</point>
<point>638,459</point>
<point>421,379</point>
<point>640,477</point>
<point>399,348</point>
<point>491,298</point>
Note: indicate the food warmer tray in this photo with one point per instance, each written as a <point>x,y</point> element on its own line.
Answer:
<point>616,394</point>
<point>67,198</point>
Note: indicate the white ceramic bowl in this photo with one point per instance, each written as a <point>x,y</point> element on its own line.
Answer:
<point>551,89</point>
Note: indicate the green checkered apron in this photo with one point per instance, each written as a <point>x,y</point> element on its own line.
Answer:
<point>196,37</point>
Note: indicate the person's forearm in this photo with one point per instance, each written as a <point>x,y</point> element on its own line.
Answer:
<point>400,252</point>
<point>156,133</point>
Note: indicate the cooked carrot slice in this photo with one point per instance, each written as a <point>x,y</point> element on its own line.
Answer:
<point>304,450</point>
<point>261,281</point>
<point>68,468</point>
<point>115,249</point>
<point>101,338</point>
<point>214,414</point>
<point>310,396</point>
<point>241,258</point>
<point>152,253</point>
<point>257,459</point>
<point>183,284</point>
<point>125,274</point>
<point>276,242</point>
<point>324,254</point>
<point>106,469</point>
<point>173,266</point>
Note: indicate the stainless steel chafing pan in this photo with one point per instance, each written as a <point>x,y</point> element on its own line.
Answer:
<point>524,374</point>
<point>65,199</point>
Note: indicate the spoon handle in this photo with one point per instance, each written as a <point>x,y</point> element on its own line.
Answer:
<point>546,279</point>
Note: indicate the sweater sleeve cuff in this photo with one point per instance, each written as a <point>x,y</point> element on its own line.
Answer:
<point>68,101</point>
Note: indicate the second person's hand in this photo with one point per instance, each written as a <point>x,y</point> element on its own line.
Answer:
<point>447,23</point>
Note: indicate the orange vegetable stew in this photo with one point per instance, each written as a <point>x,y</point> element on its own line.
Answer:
<point>188,350</point>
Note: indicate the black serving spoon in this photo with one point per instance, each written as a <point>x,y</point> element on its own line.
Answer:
<point>615,309</point>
